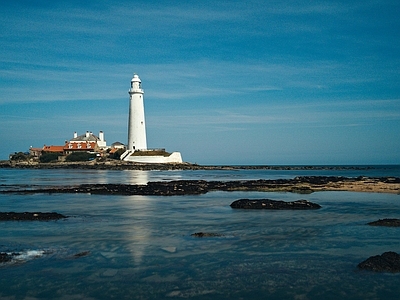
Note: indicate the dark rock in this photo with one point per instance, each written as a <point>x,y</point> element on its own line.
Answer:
<point>273,204</point>
<point>387,262</point>
<point>206,234</point>
<point>386,222</point>
<point>5,257</point>
<point>30,216</point>
<point>81,254</point>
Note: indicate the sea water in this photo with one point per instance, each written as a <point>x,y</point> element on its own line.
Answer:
<point>141,247</point>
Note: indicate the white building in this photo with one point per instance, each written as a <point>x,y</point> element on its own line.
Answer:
<point>89,137</point>
<point>137,144</point>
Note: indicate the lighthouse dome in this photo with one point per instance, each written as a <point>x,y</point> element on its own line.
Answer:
<point>136,78</point>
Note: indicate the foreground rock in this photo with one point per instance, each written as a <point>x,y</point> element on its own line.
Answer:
<point>5,257</point>
<point>387,262</point>
<point>19,257</point>
<point>386,222</point>
<point>30,216</point>
<point>273,204</point>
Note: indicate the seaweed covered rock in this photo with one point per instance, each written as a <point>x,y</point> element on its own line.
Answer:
<point>30,216</point>
<point>387,262</point>
<point>273,204</point>
<point>386,222</point>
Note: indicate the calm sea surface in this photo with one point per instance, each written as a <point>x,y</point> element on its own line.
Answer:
<point>141,247</point>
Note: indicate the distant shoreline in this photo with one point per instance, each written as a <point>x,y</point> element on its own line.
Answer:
<point>124,165</point>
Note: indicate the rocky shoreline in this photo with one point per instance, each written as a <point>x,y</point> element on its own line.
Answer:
<point>112,164</point>
<point>301,185</point>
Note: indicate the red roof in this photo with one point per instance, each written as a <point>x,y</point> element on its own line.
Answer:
<point>113,150</point>
<point>52,148</point>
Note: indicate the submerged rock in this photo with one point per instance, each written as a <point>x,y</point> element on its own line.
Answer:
<point>386,222</point>
<point>273,204</point>
<point>30,216</point>
<point>81,254</point>
<point>206,234</point>
<point>387,262</point>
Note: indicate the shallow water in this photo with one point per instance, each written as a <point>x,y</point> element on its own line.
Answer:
<point>141,247</point>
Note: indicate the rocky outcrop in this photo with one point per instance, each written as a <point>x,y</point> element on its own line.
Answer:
<point>386,222</point>
<point>30,216</point>
<point>303,184</point>
<point>387,262</point>
<point>273,204</point>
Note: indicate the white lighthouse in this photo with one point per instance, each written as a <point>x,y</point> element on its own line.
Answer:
<point>136,124</point>
<point>137,151</point>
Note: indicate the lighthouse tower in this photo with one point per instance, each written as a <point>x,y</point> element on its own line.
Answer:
<point>136,125</point>
<point>137,151</point>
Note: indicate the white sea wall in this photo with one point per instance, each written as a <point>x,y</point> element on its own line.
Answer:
<point>175,157</point>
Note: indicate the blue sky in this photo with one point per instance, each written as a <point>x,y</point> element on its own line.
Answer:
<point>226,82</point>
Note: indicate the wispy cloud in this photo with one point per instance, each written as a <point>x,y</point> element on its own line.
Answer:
<point>192,80</point>
<point>320,114</point>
